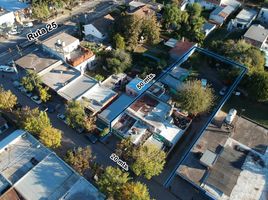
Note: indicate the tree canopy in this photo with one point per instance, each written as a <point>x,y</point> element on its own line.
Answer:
<point>7,99</point>
<point>195,98</point>
<point>119,42</point>
<point>112,181</point>
<point>31,81</point>
<point>118,61</point>
<point>134,191</point>
<point>258,86</point>
<point>50,137</point>
<point>79,159</point>
<point>75,114</point>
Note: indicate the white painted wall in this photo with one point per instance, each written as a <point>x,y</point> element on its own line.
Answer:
<point>8,18</point>
<point>91,30</point>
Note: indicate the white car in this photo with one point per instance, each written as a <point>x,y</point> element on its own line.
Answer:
<point>28,24</point>
<point>5,68</point>
<point>230,116</point>
<point>36,99</point>
<point>13,32</point>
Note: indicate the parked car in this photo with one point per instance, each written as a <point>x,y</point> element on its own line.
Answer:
<point>6,68</point>
<point>13,32</point>
<point>28,24</point>
<point>230,116</point>
<point>223,91</point>
<point>93,139</point>
<point>62,117</point>
<point>36,99</point>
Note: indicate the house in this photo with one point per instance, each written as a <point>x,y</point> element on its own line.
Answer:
<point>208,28</point>
<point>257,36</point>
<point>6,18</point>
<point>3,124</point>
<point>243,20</point>
<point>263,15</point>
<point>35,172</point>
<point>220,14</point>
<point>211,4</point>
<point>67,48</point>
<point>143,11</point>
<point>99,30</point>
<point>132,89</point>
<point>181,48</point>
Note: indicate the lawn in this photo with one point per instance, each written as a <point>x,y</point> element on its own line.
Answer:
<point>255,111</point>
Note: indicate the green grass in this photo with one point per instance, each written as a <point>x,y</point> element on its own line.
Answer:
<point>255,111</point>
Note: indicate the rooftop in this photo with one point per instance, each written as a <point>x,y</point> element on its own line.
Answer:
<point>181,48</point>
<point>59,76</point>
<point>38,60</point>
<point>133,85</point>
<point>223,12</point>
<point>257,33</point>
<point>97,97</point>
<point>142,11</point>
<point>246,15</point>
<point>13,5</point>
<point>104,23</point>
<point>77,88</point>
<point>11,194</point>
<point>114,81</point>
<point>115,108</point>
<point>63,37</point>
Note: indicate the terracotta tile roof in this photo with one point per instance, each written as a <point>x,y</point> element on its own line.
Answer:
<point>11,194</point>
<point>181,48</point>
<point>143,11</point>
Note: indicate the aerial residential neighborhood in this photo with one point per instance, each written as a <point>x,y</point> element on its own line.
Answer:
<point>133,100</point>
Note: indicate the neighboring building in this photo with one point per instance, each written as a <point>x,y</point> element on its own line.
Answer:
<point>6,18</point>
<point>30,171</point>
<point>263,15</point>
<point>3,124</point>
<point>181,48</point>
<point>99,30</point>
<point>171,42</point>
<point>143,11</point>
<point>132,90</point>
<point>211,4</point>
<point>243,20</point>
<point>208,28</point>
<point>257,36</point>
<point>68,49</point>
<point>220,14</point>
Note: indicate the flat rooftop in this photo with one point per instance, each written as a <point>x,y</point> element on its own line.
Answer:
<point>97,97</point>
<point>4,184</point>
<point>62,36</point>
<point>59,76</point>
<point>50,180</point>
<point>113,81</point>
<point>21,154</point>
<point>38,60</point>
<point>77,88</point>
<point>13,5</point>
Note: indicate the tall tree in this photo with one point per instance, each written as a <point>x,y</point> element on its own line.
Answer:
<point>194,98</point>
<point>31,81</point>
<point>50,137</point>
<point>149,161</point>
<point>43,93</point>
<point>75,114</point>
<point>151,30</point>
<point>119,42</point>
<point>135,191</point>
<point>7,99</point>
<point>258,86</point>
<point>194,9</point>
<point>34,121</point>
<point>79,159</point>
<point>112,181</point>
<point>118,61</point>
<point>171,15</point>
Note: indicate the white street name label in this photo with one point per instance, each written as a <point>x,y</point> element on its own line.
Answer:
<point>145,81</point>
<point>42,31</point>
<point>120,162</point>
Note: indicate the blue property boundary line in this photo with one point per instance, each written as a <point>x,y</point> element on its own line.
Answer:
<point>238,79</point>
<point>164,72</point>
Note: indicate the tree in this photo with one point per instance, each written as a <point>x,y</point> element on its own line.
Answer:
<point>104,132</point>
<point>125,148</point>
<point>194,98</point>
<point>194,9</point>
<point>241,52</point>
<point>119,42</point>
<point>34,121</point>
<point>112,181</point>
<point>171,15</point>
<point>149,161</point>
<point>7,99</point>
<point>43,93</point>
<point>79,159</point>
<point>258,86</point>
<point>75,114</point>
<point>40,11</point>
<point>134,191</point>
<point>50,137</point>
<point>118,61</point>
<point>151,30</point>
<point>31,81</point>
<point>89,123</point>
<point>99,77</point>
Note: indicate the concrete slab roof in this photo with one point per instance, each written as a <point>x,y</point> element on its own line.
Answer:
<point>77,88</point>
<point>59,76</point>
<point>38,60</point>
